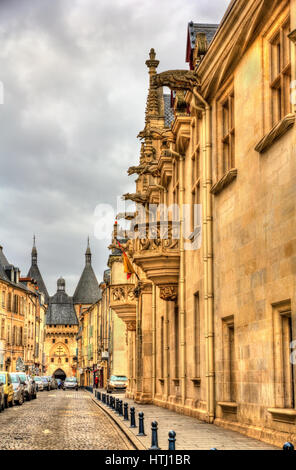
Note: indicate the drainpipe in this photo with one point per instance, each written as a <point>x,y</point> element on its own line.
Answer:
<point>208,255</point>
<point>153,340</point>
<point>182,286</point>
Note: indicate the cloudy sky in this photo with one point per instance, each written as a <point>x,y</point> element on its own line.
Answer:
<point>75,85</point>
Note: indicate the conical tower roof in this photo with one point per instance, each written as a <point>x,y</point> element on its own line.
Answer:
<point>35,273</point>
<point>87,291</point>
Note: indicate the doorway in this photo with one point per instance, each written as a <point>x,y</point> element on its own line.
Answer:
<point>59,374</point>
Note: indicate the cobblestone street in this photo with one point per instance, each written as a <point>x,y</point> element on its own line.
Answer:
<point>59,420</point>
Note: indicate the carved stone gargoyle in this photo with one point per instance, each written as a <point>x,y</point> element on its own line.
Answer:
<point>135,197</point>
<point>176,80</point>
<point>135,170</point>
<point>144,169</point>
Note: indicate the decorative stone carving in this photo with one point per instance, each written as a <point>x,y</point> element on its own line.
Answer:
<point>131,325</point>
<point>157,252</point>
<point>122,293</point>
<point>123,301</point>
<point>136,197</point>
<point>144,169</point>
<point>169,293</point>
<point>176,80</point>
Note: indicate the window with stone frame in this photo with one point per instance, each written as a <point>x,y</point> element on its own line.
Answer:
<point>229,360</point>
<point>3,328</point>
<point>227,133</point>
<point>280,73</point>
<point>195,170</point>
<point>3,299</point>
<point>284,368</point>
<point>9,302</point>
<point>176,181</point>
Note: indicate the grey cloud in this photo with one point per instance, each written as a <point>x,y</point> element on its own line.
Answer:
<point>75,90</point>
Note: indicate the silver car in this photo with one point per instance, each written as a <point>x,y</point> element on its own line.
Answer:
<point>39,383</point>
<point>18,388</point>
<point>70,383</point>
<point>46,383</point>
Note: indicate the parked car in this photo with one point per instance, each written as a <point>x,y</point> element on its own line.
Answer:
<point>117,382</point>
<point>18,388</point>
<point>52,383</point>
<point>70,383</point>
<point>5,378</point>
<point>2,397</point>
<point>46,383</point>
<point>30,386</point>
<point>39,383</point>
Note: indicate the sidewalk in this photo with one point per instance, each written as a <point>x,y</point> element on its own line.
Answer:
<point>191,434</point>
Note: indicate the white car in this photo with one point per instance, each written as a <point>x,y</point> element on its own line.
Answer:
<point>70,383</point>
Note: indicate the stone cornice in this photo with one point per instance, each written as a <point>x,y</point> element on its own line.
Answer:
<point>224,181</point>
<point>276,133</point>
<point>238,30</point>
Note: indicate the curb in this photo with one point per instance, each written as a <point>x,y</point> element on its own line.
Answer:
<point>130,436</point>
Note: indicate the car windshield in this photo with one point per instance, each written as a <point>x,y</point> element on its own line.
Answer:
<point>70,379</point>
<point>22,377</point>
<point>37,379</point>
<point>3,378</point>
<point>14,378</point>
<point>44,379</point>
<point>118,378</point>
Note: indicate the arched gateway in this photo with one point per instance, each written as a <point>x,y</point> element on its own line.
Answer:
<point>59,374</point>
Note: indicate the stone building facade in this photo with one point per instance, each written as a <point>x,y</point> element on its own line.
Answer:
<point>60,332</point>
<point>214,310</point>
<point>22,308</point>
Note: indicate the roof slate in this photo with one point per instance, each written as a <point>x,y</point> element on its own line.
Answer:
<point>87,290</point>
<point>61,310</point>
<point>208,29</point>
<point>168,110</point>
<point>35,274</point>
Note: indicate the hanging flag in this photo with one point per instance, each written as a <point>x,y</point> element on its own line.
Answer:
<point>127,265</point>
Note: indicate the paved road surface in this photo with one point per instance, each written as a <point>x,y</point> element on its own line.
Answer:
<point>59,420</point>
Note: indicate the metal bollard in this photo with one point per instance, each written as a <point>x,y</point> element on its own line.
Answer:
<point>125,414</point>
<point>113,403</point>
<point>104,398</point>
<point>288,446</point>
<point>141,424</point>
<point>117,406</point>
<point>133,418</point>
<point>172,440</point>
<point>154,438</point>
<point>120,408</point>
<point>108,400</point>
<point>99,395</point>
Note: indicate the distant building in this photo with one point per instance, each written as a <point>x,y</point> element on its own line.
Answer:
<point>60,331</point>
<point>21,308</point>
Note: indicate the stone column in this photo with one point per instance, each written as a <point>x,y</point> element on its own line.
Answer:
<point>146,344</point>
